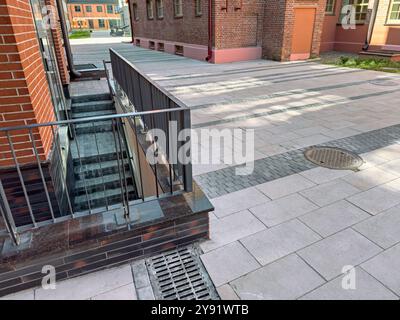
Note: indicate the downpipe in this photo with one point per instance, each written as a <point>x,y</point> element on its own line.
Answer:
<point>371,26</point>
<point>210,31</point>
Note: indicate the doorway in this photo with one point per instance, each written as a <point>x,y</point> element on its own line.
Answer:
<point>303,29</point>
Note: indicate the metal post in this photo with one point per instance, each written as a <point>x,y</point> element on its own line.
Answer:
<point>7,216</point>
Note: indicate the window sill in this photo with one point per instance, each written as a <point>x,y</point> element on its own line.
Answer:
<point>198,15</point>
<point>178,17</point>
<point>392,24</point>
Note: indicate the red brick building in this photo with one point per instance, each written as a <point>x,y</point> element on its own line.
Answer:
<point>93,14</point>
<point>233,30</point>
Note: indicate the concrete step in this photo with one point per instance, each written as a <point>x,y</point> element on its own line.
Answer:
<point>92,106</point>
<point>101,198</point>
<point>90,114</point>
<point>91,97</point>
<point>93,127</point>
<point>93,170</point>
<point>98,184</point>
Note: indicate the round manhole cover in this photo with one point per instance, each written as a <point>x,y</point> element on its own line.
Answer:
<point>333,158</point>
<point>387,82</point>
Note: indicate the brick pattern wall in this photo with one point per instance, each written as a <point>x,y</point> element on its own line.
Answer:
<point>238,23</point>
<point>59,46</point>
<point>187,29</point>
<point>84,15</point>
<point>24,93</point>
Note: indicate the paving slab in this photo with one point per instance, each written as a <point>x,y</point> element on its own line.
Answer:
<point>366,288</point>
<point>287,278</point>
<point>333,218</point>
<point>377,199</point>
<point>228,263</point>
<point>284,186</point>
<point>277,242</point>
<point>322,175</point>
<point>238,201</point>
<point>344,248</point>
<point>383,229</point>
<point>21,295</point>
<point>385,267</point>
<point>283,209</point>
<point>226,292</point>
<point>127,292</point>
<point>231,228</point>
<point>330,192</point>
<point>369,178</point>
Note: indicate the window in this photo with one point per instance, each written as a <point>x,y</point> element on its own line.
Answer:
<point>110,8</point>
<point>178,11</point>
<point>101,23</point>
<point>394,12</point>
<point>91,24</point>
<point>150,14</point>
<point>88,9</point>
<point>99,9</point>
<point>135,12</point>
<point>77,8</point>
<point>160,9</point>
<point>197,8</point>
<point>360,9</point>
<point>330,7</point>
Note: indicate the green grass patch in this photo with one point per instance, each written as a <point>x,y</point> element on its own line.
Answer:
<point>369,64</point>
<point>80,34</point>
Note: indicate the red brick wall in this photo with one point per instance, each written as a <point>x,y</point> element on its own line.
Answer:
<point>187,29</point>
<point>59,46</point>
<point>94,15</point>
<point>238,23</point>
<point>24,92</point>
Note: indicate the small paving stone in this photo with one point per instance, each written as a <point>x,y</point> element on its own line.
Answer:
<point>287,278</point>
<point>344,248</point>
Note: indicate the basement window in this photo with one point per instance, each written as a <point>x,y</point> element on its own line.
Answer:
<point>330,7</point>
<point>137,42</point>
<point>160,46</point>
<point>394,12</point>
<point>152,45</point>
<point>179,50</point>
<point>178,8</point>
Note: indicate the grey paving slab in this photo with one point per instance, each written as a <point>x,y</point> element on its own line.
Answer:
<point>145,293</point>
<point>21,295</point>
<point>231,228</point>
<point>285,186</point>
<point>226,292</point>
<point>369,178</point>
<point>287,278</point>
<point>228,263</point>
<point>333,218</point>
<point>385,267</point>
<point>391,152</point>
<point>140,274</point>
<point>330,192</point>
<point>237,201</point>
<point>383,229</point>
<point>344,248</point>
<point>283,209</point>
<point>277,242</point>
<point>127,292</point>
<point>377,199</point>
<point>366,288</point>
<point>392,167</point>
<point>88,286</point>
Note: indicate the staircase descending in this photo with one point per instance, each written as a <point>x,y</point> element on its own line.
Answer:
<point>95,151</point>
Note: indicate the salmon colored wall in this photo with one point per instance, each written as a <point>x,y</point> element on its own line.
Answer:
<point>385,36</point>
<point>93,15</point>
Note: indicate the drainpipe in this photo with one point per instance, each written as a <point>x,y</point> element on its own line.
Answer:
<point>371,25</point>
<point>130,19</point>
<point>74,74</point>
<point>210,30</point>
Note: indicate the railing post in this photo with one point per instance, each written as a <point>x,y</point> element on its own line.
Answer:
<point>7,216</point>
<point>187,168</point>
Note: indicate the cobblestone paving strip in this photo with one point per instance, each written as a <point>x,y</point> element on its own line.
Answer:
<point>224,181</point>
<point>307,106</point>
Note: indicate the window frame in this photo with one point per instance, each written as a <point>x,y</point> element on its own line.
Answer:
<point>355,4</point>
<point>178,4</point>
<point>149,5</point>
<point>390,11</point>
<point>333,11</point>
<point>99,9</point>
<point>160,5</point>
<point>88,9</point>
<point>112,9</point>
<point>135,12</point>
<point>77,7</point>
<point>104,23</point>
<point>198,12</point>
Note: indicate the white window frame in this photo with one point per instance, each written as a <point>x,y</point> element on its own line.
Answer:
<point>178,8</point>
<point>360,7</point>
<point>160,9</point>
<point>149,9</point>
<point>197,8</point>
<point>389,20</point>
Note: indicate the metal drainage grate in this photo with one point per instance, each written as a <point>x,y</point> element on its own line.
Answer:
<point>180,275</point>
<point>333,158</point>
<point>386,82</point>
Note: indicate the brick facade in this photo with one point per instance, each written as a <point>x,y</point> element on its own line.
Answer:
<point>24,92</point>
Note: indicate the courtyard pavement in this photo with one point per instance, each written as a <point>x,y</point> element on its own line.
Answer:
<point>288,230</point>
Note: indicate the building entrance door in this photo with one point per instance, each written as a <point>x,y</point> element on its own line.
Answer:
<point>303,30</point>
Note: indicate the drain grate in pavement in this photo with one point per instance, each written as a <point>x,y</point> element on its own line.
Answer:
<point>385,82</point>
<point>333,158</point>
<point>180,275</point>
